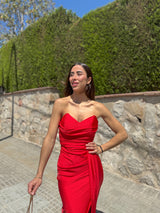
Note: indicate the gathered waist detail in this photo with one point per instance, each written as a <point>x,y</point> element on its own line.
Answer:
<point>80,173</point>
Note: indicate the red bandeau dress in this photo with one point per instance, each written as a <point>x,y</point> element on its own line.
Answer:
<point>80,174</point>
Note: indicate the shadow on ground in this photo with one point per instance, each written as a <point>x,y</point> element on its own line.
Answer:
<point>6,137</point>
<point>97,211</point>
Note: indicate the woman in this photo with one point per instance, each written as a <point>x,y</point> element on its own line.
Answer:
<point>80,172</point>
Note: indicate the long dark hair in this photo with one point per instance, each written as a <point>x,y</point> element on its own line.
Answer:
<point>90,89</point>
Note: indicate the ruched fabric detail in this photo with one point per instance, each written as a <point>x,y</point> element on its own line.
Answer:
<point>80,174</point>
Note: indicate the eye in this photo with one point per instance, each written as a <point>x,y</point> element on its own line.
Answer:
<point>79,73</point>
<point>71,74</point>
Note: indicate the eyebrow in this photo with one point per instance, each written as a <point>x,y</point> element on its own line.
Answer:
<point>79,71</point>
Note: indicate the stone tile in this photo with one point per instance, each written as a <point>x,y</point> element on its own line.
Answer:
<point>18,165</point>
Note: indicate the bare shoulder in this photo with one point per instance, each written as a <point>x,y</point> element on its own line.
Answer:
<point>57,112</point>
<point>60,104</point>
<point>61,101</point>
<point>99,106</point>
<point>102,110</point>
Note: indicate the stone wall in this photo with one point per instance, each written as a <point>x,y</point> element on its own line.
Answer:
<point>29,116</point>
<point>137,158</point>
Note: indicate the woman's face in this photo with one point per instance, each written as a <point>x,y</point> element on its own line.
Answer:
<point>78,78</point>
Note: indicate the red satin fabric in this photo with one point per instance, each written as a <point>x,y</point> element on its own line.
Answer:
<point>80,174</point>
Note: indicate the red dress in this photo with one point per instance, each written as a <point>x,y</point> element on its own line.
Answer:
<point>80,174</point>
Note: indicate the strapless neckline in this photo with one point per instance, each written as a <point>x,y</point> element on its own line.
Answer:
<point>80,173</point>
<point>68,114</point>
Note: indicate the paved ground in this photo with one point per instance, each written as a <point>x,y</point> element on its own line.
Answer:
<point>18,164</point>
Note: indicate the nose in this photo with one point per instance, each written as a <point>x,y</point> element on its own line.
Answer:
<point>74,77</point>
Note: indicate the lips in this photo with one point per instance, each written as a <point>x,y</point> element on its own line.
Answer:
<point>74,84</point>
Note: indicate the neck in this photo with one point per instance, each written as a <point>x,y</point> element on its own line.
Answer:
<point>79,98</point>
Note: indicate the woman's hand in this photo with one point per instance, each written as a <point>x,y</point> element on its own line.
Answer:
<point>93,148</point>
<point>33,185</point>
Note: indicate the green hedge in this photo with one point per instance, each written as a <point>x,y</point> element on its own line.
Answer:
<point>43,53</point>
<point>120,42</point>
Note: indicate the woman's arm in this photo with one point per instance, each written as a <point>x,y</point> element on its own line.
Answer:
<point>47,147</point>
<point>114,124</point>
